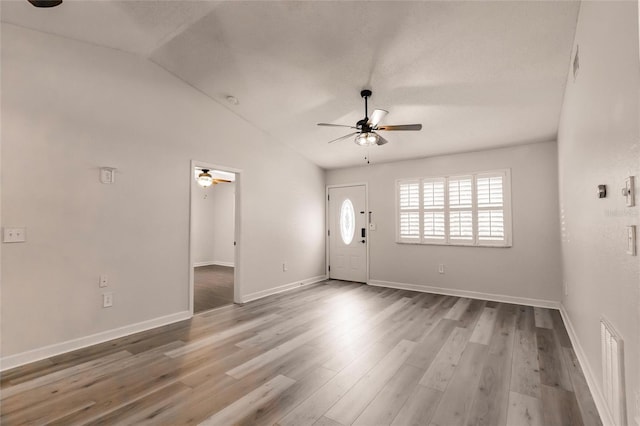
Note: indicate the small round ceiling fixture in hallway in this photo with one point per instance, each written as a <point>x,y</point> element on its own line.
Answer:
<point>45,3</point>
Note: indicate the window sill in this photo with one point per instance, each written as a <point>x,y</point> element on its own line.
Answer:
<point>435,243</point>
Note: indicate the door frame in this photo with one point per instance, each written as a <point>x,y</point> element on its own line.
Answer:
<point>326,225</point>
<point>237,276</point>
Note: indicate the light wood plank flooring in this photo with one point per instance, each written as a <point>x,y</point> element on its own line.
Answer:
<point>334,353</point>
<point>212,287</point>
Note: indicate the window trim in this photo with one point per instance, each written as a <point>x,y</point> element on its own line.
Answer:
<point>475,241</point>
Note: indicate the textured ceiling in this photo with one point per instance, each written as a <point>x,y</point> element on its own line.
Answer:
<point>475,74</point>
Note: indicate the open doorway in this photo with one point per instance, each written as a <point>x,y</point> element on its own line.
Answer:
<point>213,236</point>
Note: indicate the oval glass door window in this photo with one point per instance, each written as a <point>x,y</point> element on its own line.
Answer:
<point>347,221</point>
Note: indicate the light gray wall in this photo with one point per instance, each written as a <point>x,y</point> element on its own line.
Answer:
<point>529,269</point>
<point>213,223</point>
<point>598,144</point>
<point>69,108</point>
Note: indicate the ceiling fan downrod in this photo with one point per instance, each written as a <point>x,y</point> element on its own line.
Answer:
<point>365,94</point>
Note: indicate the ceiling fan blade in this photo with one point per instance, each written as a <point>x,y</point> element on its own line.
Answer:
<point>376,116</point>
<point>336,125</point>
<point>401,127</point>
<point>381,140</point>
<point>344,137</point>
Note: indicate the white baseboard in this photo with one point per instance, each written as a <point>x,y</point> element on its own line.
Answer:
<point>540,303</point>
<point>286,287</point>
<point>596,390</point>
<point>38,354</point>
<point>214,262</point>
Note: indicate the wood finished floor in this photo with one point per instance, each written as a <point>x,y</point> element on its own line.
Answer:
<point>329,354</point>
<point>212,287</point>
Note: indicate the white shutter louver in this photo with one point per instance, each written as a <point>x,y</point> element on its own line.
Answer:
<point>490,190</point>
<point>460,208</point>
<point>433,204</point>
<point>409,195</point>
<point>409,203</point>
<point>410,225</point>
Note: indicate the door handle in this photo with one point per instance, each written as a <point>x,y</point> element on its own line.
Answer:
<point>363,241</point>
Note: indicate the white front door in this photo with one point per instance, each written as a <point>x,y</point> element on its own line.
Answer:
<point>348,233</point>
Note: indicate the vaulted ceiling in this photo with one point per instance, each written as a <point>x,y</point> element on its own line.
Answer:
<point>476,74</point>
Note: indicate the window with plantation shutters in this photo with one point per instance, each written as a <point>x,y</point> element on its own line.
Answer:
<point>471,209</point>
<point>409,215</point>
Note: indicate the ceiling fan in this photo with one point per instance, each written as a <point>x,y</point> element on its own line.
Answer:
<point>205,179</point>
<point>367,127</point>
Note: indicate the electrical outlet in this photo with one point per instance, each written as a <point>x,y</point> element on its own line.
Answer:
<point>284,267</point>
<point>104,280</point>
<point>440,268</point>
<point>14,235</point>
<point>107,300</point>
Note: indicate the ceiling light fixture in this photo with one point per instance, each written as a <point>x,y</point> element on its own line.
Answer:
<point>232,100</point>
<point>204,179</point>
<point>367,139</point>
<point>45,3</point>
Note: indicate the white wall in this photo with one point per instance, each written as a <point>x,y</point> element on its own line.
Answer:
<point>213,223</point>
<point>598,144</point>
<point>530,269</point>
<point>69,107</point>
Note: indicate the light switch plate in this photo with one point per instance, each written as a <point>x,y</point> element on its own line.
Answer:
<point>629,191</point>
<point>104,280</point>
<point>107,175</point>
<point>631,240</point>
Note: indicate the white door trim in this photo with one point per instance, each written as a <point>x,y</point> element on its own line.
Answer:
<point>237,275</point>
<point>326,224</point>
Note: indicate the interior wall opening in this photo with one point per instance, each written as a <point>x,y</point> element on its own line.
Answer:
<point>213,237</point>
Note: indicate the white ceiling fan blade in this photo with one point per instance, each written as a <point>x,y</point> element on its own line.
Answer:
<point>344,137</point>
<point>336,125</point>
<point>376,116</point>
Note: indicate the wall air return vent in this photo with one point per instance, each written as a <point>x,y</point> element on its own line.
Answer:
<point>613,372</point>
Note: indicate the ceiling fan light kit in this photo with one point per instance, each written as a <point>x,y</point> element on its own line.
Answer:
<point>205,180</point>
<point>366,128</point>
<point>207,177</point>
<point>367,139</point>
